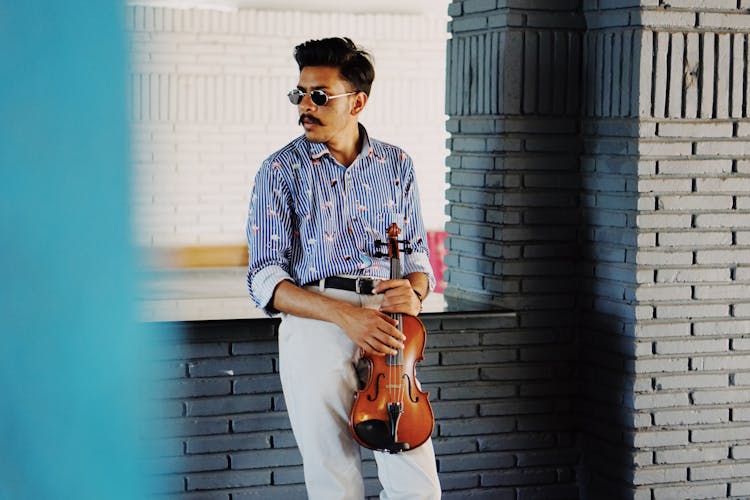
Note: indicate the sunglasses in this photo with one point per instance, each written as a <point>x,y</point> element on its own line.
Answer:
<point>318,97</point>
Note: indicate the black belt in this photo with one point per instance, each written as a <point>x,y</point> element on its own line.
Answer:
<point>362,285</point>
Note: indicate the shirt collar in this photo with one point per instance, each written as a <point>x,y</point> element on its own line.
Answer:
<point>319,149</point>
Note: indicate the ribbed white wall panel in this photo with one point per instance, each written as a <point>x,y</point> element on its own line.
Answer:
<point>208,104</point>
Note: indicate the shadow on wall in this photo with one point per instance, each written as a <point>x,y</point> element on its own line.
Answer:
<point>539,221</point>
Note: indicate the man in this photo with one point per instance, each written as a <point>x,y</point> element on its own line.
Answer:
<point>317,207</point>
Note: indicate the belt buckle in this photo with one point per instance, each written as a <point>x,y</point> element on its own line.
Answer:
<point>358,284</point>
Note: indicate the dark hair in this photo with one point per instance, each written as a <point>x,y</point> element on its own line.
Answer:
<point>354,63</point>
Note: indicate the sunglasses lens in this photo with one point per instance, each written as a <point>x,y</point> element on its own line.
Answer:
<point>295,96</point>
<point>319,97</point>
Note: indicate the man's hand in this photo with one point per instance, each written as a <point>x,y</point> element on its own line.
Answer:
<point>373,331</point>
<point>399,297</point>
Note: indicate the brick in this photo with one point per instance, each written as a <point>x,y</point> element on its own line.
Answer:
<point>237,365</point>
<point>690,417</point>
<point>689,167</point>
<point>689,381</point>
<point>265,458</point>
<point>261,422</point>
<point>695,202</point>
<point>288,475</point>
<point>476,426</point>
<point>733,362</point>
<point>699,130</point>
<point>739,488</point>
<point>660,400</point>
<point>692,346</point>
<point>723,256</point>
<point>662,329</point>
<point>518,477</point>
<point>735,291</point>
<point>228,405</point>
<point>723,148</point>
<point>228,479</point>
<point>476,461</point>
<point>699,473</point>
<point>655,475</point>
<point>725,220</point>
<point>721,397</point>
<point>723,21</point>
<point>658,365</point>
<point>657,149</point>
<point>695,239</point>
<point>741,310</point>
<point>454,409</point>
<point>257,384</point>
<point>692,275</point>
<point>468,23</point>
<point>233,442</point>
<point>659,257</point>
<point>693,491</point>
<point>731,327</point>
<point>195,388</point>
<point>473,356</point>
<point>198,426</point>
<point>195,463</point>
<point>655,439</point>
<point>279,491</point>
<point>454,445</point>
<point>665,185</point>
<point>728,184</point>
<point>692,454</point>
<point>450,481</point>
<point>471,6</point>
<point>692,311</point>
<point>657,221</point>
<point>662,293</point>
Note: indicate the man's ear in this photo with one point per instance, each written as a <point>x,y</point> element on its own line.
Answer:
<point>360,100</point>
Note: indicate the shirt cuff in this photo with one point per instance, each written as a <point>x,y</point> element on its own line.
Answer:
<point>419,263</point>
<point>263,285</point>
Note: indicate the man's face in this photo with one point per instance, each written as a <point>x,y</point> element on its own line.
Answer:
<point>322,123</point>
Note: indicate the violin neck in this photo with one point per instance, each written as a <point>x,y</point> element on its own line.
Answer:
<point>398,358</point>
<point>395,268</point>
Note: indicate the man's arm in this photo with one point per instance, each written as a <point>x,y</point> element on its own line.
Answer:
<point>374,331</point>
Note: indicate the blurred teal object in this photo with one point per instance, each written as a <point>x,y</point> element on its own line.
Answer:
<point>71,350</point>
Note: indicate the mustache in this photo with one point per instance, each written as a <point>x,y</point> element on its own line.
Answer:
<point>311,118</point>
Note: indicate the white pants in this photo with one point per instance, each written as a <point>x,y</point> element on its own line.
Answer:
<point>319,381</point>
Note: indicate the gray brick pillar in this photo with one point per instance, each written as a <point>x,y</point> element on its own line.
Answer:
<point>513,98</point>
<point>689,372</point>
<point>610,168</point>
<point>600,178</point>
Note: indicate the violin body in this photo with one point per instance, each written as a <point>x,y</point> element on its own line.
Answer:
<point>391,413</point>
<point>392,381</point>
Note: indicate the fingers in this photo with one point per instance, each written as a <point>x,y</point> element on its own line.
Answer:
<point>386,285</point>
<point>384,338</point>
<point>398,297</point>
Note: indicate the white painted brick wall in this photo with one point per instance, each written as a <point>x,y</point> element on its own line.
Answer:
<point>208,104</point>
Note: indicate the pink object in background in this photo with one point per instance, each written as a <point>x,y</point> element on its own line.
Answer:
<point>436,242</point>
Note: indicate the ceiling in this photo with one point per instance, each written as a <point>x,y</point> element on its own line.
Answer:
<point>430,7</point>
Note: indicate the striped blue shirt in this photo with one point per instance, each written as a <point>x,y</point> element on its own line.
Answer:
<point>310,217</point>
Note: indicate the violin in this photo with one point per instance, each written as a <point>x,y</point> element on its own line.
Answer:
<point>391,413</point>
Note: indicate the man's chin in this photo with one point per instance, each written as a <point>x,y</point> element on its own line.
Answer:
<point>313,136</point>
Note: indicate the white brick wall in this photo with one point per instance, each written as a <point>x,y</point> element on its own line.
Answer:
<point>208,104</point>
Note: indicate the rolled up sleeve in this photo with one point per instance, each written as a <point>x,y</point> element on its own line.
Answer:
<point>414,231</point>
<point>269,237</point>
